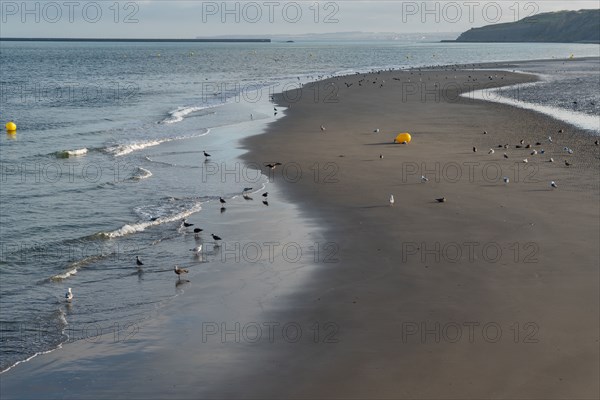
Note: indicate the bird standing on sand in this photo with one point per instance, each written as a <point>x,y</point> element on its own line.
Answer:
<point>266,202</point>
<point>525,161</point>
<point>551,159</point>
<point>197,250</point>
<point>534,152</point>
<point>506,180</point>
<point>391,200</point>
<point>265,194</point>
<point>424,179</point>
<point>553,184</point>
<point>179,271</point>
<point>474,149</point>
<point>597,142</point>
<point>222,200</point>
<point>441,200</point>
<point>550,139</point>
<point>376,130</point>
<point>567,164</point>
<point>69,295</point>
<point>323,128</point>
<point>505,155</point>
<point>138,261</point>
<point>491,151</point>
<point>206,154</point>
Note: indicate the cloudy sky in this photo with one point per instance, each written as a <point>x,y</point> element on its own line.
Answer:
<point>190,19</point>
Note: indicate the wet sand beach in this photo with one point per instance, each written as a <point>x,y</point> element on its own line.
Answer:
<point>491,294</point>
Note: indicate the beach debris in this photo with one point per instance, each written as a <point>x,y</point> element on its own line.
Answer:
<point>441,200</point>
<point>403,137</point>
<point>179,271</point>
<point>391,200</point>
<point>474,149</point>
<point>424,179</point>
<point>506,180</point>
<point>553,184</point>
<point>491,151</point>
<point>206,154</point>
<point>69,295</point>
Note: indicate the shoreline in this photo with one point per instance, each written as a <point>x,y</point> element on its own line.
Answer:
<point>380,289</point>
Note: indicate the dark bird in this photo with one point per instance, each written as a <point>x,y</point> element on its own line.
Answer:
<point>69,295</point>
<point>180,271</point>
<point>138,261</point>
<point>518,147</point>
<point>265,202</point>
<point>246,189</point>
<point>215,237</point>
<point>197,231</point>
<point>206,154</point>
<point>186,224</point>
<point>505,155</point>
<point>538,143</point>
<point>272,165</point>
<point>568,164</point>
<point>485,132</point>
<point>528,146</point>
<point>474,149</point>
<point>222,201</point>
<point>561,131</point>
<point>553,184</point>
<point>597,142</point>
<point>246,197</point>
<point>441,200</point>
<point>381,156</point>
<point>265,194</point>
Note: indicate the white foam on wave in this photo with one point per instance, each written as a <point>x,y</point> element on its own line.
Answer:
<point>122,149</point>
<point>180,113</point>
<point>129,229</point>
<point>64,275</point>
<point>143,173</point>
<point>578,119</point>
<point>71,153</point>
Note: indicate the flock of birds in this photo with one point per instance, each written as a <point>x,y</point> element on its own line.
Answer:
<point>197,250</point>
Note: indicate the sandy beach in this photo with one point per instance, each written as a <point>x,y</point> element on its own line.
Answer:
<point>491,294</point>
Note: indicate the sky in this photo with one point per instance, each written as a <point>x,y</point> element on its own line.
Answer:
<point>191,19</point>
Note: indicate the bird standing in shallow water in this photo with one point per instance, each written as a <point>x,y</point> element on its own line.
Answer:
<point>222,200</point>
<point>553,184</point>
<point>138,261</point>
<point>69,295</point>
<point>391,200</point>
<point>179,271</point>
<point>206,154</point>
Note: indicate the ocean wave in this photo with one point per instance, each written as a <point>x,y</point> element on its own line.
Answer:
<point>122,149</point>
<point>142,173</point>
<point>179,114</point>
<point>129,229</point>
<point>65,275</point>
<point>71,153</point>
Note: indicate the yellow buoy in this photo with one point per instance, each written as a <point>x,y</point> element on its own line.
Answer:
<point>11,127</point>
<point>403,137</point>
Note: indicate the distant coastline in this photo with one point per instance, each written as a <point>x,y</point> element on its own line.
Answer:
<point>123,40</point>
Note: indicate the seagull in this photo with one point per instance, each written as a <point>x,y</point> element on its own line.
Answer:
<point>391,200</point>
<point>206,154</point>
<point>424,179</point>
<point>522,141</point>
<point>568,164</point>
<point>322,128</point>
<point>491,151</point>
<point>528,146</point>
<point>534,152</point>
<point>197,250</point>
<point>485,132</point>
<point>506,146</point>
<point>138,261</point>
<point>215,237</point>
<point>551,159</point>
<point>381,156</point>
<point>197,231</point>
<point>69,295</point>
<point>553,184</point>
<point>550,139</point>
<point>222,201</point>
<point>186,224</point>
<point>506,180</point>
<point>570,151</point>
<point>265,194</point>
<point>505,155</point>
<point>474,149</point>
<point>525,160</point>
<point>179,271</point>
<point>376,130</point>
<point>441,200</point>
